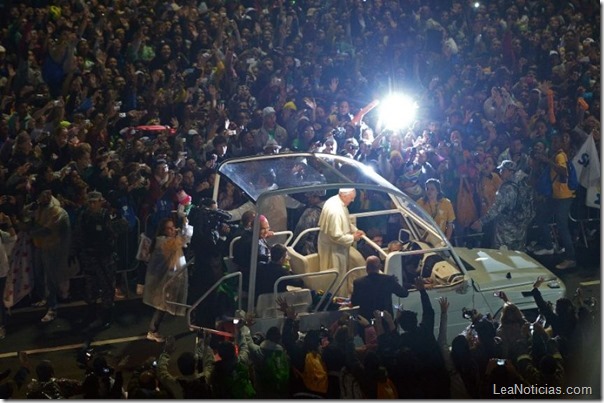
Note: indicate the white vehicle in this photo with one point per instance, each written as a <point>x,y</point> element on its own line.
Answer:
<point>469,278</point>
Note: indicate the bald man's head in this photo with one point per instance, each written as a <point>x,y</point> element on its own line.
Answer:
<point>373,264</point>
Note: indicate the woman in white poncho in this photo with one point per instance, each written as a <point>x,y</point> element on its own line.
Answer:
<point>166,265</point>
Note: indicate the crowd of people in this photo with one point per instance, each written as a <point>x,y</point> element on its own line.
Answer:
<point>134,104</point>
<point>381,355</point>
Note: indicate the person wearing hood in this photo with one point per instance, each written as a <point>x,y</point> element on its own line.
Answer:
<point>509,232</point>
<point>50,229</point>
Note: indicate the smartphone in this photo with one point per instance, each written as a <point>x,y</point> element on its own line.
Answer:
<point>497,294</point>
<point>154,364</point>
<point>235,321</point>
<point>501,361</point>
<point>381,314</point>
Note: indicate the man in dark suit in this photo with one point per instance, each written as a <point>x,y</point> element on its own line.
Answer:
<point>374,291</point>
<point>269,273</point>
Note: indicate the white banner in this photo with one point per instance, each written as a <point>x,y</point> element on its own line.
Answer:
<point>593,196</point>
<point>587,164</point>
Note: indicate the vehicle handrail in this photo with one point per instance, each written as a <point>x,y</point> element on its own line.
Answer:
<point>195,304</point>
<point>411,252</point>
<point>375,213</point>
<point>290,235</point>
<point>302,234</point>
<point>354,269</point>
<point>232,245</point>
<point>317,274</point>
<point>172,279</point>
<point>375,246</point>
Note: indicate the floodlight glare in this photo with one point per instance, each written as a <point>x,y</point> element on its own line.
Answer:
<point>397,111</point>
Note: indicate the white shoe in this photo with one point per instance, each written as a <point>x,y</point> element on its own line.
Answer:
<point>543,251</point>
<point>155,336</point>
<point>566,264</point>
<point>50,316</point>
<point>140,289</point>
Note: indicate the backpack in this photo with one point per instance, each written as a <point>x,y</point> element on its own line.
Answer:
<point>276,370</point>
<point>315,373</point>
<point>349,386</point>
<point>195,388</point>
<point>524,209</point>
<point>572,181</point>
<point>47,390</point>
<point>240,385</point>
<point>386,390</point>
<point>544,183</point>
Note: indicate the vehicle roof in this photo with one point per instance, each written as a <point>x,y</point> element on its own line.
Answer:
<point>300,170</point>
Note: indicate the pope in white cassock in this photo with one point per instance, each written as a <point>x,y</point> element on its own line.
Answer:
<point>337,233</point>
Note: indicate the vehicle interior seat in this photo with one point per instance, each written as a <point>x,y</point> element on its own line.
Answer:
<point>301,264</point>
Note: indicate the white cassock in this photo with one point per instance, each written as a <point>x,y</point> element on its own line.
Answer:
<point>336,235</point>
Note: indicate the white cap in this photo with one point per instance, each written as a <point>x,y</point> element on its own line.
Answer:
<point>346,190</point>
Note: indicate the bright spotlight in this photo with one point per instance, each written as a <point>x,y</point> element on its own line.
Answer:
<point>397,111</point>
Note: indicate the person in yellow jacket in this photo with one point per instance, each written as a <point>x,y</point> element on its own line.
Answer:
<point>562,197</point>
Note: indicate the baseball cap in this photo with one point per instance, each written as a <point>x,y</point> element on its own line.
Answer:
<point>267,111</point>
<point>272,143</point>
<point>94,196</point>
<point>507,164</point>
<point>290,105</point>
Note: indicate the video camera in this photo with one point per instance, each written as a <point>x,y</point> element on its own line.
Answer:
<point>208,222</point>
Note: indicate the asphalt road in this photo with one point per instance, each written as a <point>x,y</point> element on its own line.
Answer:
<point>63,339</point>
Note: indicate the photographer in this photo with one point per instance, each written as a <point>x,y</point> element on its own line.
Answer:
<point>209,241</point>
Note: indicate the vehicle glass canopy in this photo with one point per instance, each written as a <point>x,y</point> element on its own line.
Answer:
<point>302,172</point>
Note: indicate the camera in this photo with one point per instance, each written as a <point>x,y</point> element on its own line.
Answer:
<point>468,313</point>
<point>208,222</point>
